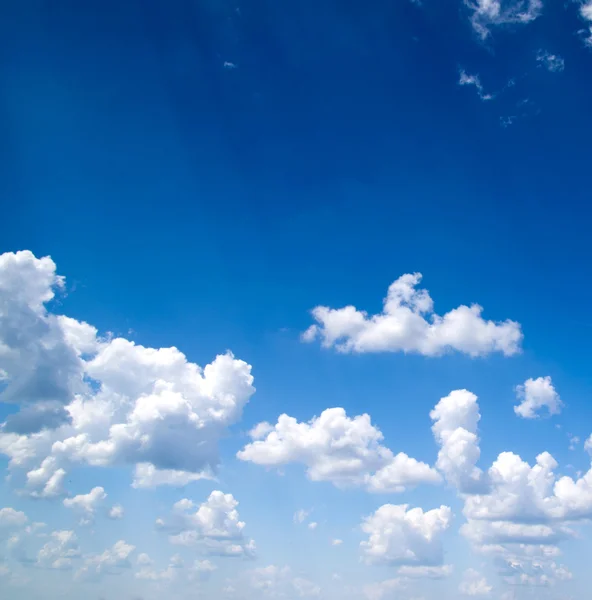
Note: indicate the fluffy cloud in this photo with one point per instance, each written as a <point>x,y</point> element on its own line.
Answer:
<point>474,584</point>
<point>116,512</point>
<point>60,551</point>
<point>110,562</point>
<point>86,504</point>
<point>11,518</point>
<point>214,528</point>
<point>489,13</point>
<point>399,535</point>
<point>473,80</point>
<point>409,324</point>
<point>455,428</point>
<point>345,451</point>
<point>103,402</point>
<point>536,395</point>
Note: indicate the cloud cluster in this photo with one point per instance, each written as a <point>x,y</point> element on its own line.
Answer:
<point>409,324</point>
<point>473,80</point>
<point>334,447</point>
<point>494,13</point>
<point>214,527</point>
<point>99,401</point>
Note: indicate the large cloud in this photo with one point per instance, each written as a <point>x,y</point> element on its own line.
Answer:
<point>408,323</point>
<point>104,401</point>
<point>334,447</point>
<point>399,535</point>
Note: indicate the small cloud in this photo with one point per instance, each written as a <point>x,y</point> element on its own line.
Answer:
<point>312,526</point>
<point>230,65</point>
<point>466,79</point>
<point>301,515</point>
<point>551,62</point>
<point>574,440</point>
<point>116,512</point>
<point>336,542</point>
<point>507,121</point>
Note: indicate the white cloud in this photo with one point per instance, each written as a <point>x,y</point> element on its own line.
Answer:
<point>588,445</point>
<point>586,14</point>
<point>336,542</point>
<point>214,528</point>
<point>60,551</point>
<point>537,394</point>
<point>474,584</point>
<point>489,13</point>
<point>345,451</point>
<point>409,324</point>
<point>551,62</point>
<point>116,512</point>
<point>144,560</point>
<point>202,569</point>
<point>110,562</point>
<point>399,535</point>
<point>313,525</point>
<point>278,582</point>
<point>377,591</point>
<point>473,80</point>
<point>148,408</point>
<point>456,417</point>
<point>87,503</point>
<point>11,518</point>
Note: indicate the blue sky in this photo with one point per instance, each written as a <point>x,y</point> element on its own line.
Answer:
<point>203,176</point>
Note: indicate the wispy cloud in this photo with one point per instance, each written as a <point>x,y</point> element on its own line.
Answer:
<point>466,79</point>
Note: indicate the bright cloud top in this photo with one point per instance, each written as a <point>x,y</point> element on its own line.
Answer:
<point>409,324</point>
<point>334,447</point>
<point>537,395</point>
<point>99,401</point>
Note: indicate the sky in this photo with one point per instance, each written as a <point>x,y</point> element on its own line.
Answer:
<point>294,299</point>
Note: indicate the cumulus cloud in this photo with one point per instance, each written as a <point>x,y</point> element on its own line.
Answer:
<point>214,528</point>
<point>86,504</point>
<point>473,80</point>
<point>494,13</point>
<point>60,551</point>
<point>586,14</point>
<point>10,518</point>
<point>409,324</point>
<point>399,535</point>
<point>111,562</point>
<point>116,512</point>
<point>100,401</point>
<point>345,451</point>
<point>455,428</point>
<point>536,395</point>
<point>474,584</point>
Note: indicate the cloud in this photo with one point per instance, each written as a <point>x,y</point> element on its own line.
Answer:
<point>116,512</point>
<point>377,591</point>
<point>465,79</point>
<point>344,451</point>
<point>313,525</point>
<point>399,535</point>
<point>301,515</point>
<point>11,518</point>
<point>537,394</point>
<point>60,551</point>
<point>214,528</point>
<point>455,428</point>
<point>409,324</point>
<point>110,562</point>
<point>586,14</point>
<point>474,584</point>
<point>278,582</point>
<point>86,503</point>
<point>424,572</point>
<point>494,13</point>
<point>101,401</point>
<point>551,62</point>
<point>336,542</point>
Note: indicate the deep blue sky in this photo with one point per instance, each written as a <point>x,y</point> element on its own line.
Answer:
<point>210,207</point>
